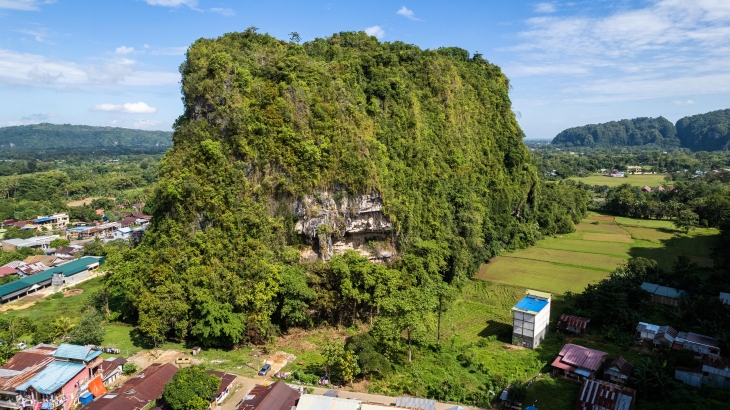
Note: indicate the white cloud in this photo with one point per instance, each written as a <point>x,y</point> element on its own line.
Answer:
<point>129,108</point>
<point>169,51</point>
<point>680,102</point>
<point>24,69</point>
<point>545,8</point>
<point>146,46</point>
<point>405,12</point>
<point>25,5</point>
<point>376,31</point>
<point>173,3</point>
<point>124,50</point>
<point>146,124</point>
<point>223,11</point>
<point>662,49</point>
<point>38,34</point>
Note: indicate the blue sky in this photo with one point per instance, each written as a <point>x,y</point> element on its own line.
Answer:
<point>114,62</point>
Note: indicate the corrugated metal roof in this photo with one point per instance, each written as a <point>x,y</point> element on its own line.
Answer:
<point>580,356</point>
<point>701,340</point>
<point>68,269</point>
<point>531,304</point>
<point>663,290</point>
<point>76,352</point>
<point>574,321</point>
<point>53,377</point>
<point>416,403</point>
<point>725,298</point>
<point>600,394</point>
<point>312,402</point>
<point>646,327</point>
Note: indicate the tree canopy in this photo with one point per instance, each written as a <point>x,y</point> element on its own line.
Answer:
<point>638,131</point>
<point>47,136</point>
<point>705,132</point>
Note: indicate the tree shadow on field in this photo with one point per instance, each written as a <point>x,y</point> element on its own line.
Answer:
<point>698,248</point>
<point>502,331</point>
<point>140,340</point>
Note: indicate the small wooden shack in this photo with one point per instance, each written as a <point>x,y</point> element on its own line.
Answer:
<point>573,324</point>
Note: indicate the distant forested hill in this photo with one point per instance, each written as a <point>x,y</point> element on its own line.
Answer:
<point>639,131</point>
<point>73,137</point>
<point>705,132</point>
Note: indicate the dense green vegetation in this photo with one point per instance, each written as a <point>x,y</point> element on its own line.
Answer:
<point>658,132</point>
<point>55,137</point>
<point>51,184</point>
<point>701,132</point>
<point>705,132</point>
<point>268,121</point>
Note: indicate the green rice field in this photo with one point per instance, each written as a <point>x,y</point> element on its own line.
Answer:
<point>651,180</point>
<point>600,244</point>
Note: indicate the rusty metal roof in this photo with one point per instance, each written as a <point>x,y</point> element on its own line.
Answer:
<point>277,396</point>
<point>573,321</point>
<point>597,394</point>
<point>24,366</point>
<point>226,380</point>
<point>621,365</point>
<point>702,340</point>
<point>580,356</point>
<point>138,391</point>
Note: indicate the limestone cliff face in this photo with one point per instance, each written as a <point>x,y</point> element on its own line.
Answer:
<point>335,222</point>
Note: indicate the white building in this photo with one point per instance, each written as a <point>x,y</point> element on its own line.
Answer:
<point>531,317</point>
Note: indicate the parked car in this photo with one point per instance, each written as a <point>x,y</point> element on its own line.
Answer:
<point>22,345</point>
<point>264,369</point>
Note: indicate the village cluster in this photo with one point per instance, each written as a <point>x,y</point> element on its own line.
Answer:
<point>603,378</point>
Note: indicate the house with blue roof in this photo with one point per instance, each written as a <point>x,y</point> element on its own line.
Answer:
<point>530,319</point>
<point>58,386</point>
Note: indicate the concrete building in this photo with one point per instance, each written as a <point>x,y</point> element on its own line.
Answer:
<point>50,222</point>
<point>39,242</point>
<point>701,344</point>
<point>530,319</point>
<point>314,402</point>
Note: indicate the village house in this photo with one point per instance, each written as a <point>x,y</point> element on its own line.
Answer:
<point>112,369</point>
<point>30,269</point>
<point>21,367</point>
<point>314,402</point>
<point>634,169</point>
<point>530,319</point>
<point>51,222</point>
<point>415,403</point>
<point>122,233</point>
<point>38,242</point>
<point>666,335</point>
<point>7,270</point>
<point>137,392</point>
<point>712,372</point>
<point>573,324</point>
<point>224,388</point>
<point>68,251</point>
<point>725,298</point>
<point>276,396</point>
<point>87,232</point>
<point>646,331</point>
<point>600,395</point>
<point>664,295</point>
<point>58,385</point>
<point>578,362</point>
<point>617,370</point>
<point>48,260</point>
<point>701,344</point>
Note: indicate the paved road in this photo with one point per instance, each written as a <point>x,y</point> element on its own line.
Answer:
<point>245,384</point>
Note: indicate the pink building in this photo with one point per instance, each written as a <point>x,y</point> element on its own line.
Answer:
<point>59,385</point>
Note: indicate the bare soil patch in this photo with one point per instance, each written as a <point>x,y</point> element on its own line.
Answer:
<point>601,218</point>
<point>72,292</point>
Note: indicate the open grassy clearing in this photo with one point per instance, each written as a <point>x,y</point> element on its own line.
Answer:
<point>599,245</point>
<point>588,260</point>
<point>651,180</point>
<point>546,276</point>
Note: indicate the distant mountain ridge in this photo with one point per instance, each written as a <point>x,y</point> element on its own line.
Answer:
<point>702,132</point>
<point>638,131</point>
<point>47,136</point>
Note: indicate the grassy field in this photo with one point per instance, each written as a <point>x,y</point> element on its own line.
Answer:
<point>599,245</point>
<point>652,180</point>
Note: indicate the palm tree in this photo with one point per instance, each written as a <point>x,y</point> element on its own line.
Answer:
<point>63,326</point>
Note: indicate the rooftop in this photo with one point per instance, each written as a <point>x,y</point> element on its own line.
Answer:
<point>531,305</point>
<point>138,391</point>
<point>574,321</point>
<point>581,357</point>
<point>53,377</point>
<point>76,352</point>
<point>277,396</point>
<point>663,290</point>
<point>313,402</point>
<point>416,403</point>
<point>596,394</point>
<point>701,340</point>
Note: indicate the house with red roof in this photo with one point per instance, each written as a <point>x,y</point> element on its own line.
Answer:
<point>578,362</point>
